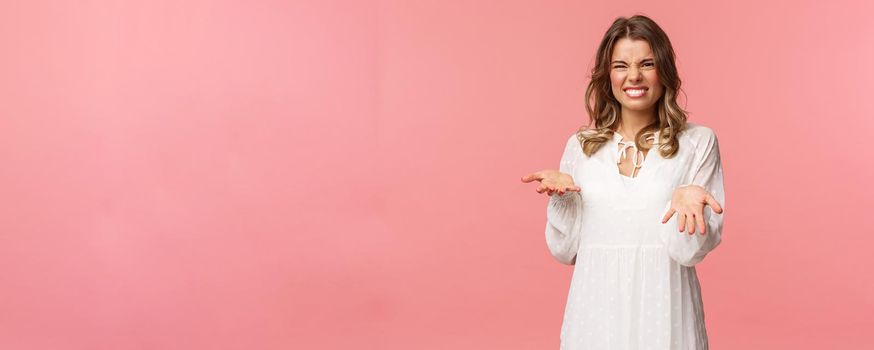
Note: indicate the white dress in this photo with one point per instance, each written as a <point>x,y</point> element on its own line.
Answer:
<point>634,284</point>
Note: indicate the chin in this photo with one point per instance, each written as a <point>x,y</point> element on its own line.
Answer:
<point>638,107</point>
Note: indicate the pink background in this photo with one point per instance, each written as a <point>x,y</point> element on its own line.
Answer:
<point>345,174</point>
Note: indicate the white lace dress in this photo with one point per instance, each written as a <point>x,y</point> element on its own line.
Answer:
<point>634,284</point>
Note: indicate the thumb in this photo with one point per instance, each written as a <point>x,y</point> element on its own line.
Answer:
<point>531,177</point>
<point>714,204</point>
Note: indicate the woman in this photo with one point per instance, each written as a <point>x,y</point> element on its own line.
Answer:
<point>632,204</point>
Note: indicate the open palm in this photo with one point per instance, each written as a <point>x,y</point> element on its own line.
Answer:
<point>552,181</point>
<point>688,203</point>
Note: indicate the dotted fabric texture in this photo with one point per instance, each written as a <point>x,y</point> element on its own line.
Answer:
<point>634,284</point>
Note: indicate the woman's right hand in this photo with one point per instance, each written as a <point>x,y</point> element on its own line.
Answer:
<point>552,181</point>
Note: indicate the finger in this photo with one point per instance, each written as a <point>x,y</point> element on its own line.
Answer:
<point>700,222</point>
<point>535,176</point>
<point>682,221</point>
<point>668,215</point>
<point>691,222</point>
<point>530,177</point>
<point>714,204</point>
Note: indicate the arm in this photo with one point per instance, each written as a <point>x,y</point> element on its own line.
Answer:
<point>563,212</point>
<point>685,249</point>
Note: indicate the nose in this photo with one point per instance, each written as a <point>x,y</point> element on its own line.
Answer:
<point>634,73</point>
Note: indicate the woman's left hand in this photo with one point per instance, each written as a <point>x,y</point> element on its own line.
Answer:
<point>688,202</point>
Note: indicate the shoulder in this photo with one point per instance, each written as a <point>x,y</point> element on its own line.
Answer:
<point>573,148</point>
<point>698,134</point>
<point>574,141</point>
<point>699,140</point>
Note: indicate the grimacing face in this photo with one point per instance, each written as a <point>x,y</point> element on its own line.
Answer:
<point>633,65</point>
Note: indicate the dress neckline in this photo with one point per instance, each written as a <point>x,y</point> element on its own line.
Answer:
<point>617,138</point>
<point>618,156</point>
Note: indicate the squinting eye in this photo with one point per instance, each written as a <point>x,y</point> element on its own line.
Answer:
<point>649,64</point>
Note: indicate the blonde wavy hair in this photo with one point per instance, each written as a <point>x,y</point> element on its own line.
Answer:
<point>605,111</point>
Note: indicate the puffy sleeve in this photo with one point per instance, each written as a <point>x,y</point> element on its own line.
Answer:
<point>563,212</point>
<point>706,170</point>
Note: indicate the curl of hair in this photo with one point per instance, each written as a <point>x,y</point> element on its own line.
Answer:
<point>605,111</point>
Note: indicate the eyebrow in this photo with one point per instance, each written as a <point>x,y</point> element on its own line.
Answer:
<point>643,60</point>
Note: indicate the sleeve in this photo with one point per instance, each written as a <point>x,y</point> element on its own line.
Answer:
<point>685,249</point>
<point>563,212</point>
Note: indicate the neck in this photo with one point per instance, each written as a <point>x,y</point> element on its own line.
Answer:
<point>631,122</point>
